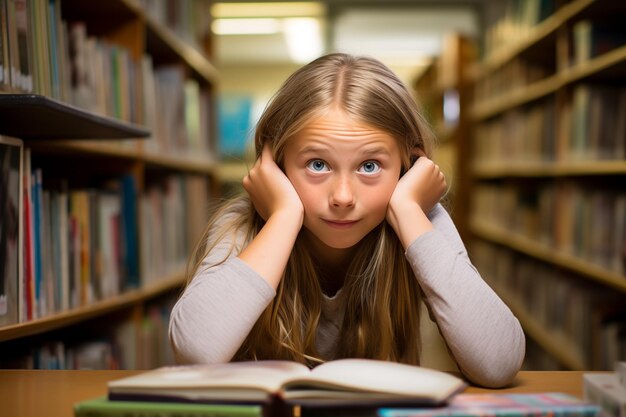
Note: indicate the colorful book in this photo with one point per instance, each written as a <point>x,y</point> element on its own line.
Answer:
<point>101,407</point>
<point>503,405</point>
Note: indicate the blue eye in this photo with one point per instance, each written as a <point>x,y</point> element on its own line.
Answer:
<point>317,165</point>
<point>370,167</point>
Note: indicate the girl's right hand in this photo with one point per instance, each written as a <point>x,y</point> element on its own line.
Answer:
<point>270,190</point>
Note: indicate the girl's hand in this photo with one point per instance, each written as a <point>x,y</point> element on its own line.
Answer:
<point>269,188</point>
<point>414,197</point>
<point>423,184</point>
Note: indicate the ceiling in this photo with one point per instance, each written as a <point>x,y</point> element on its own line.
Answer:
<point>399,32</point>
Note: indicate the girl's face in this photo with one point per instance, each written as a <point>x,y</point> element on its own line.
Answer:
<point>344,172</point>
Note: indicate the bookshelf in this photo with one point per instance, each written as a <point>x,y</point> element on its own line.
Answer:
<point>548,206</point>
<point>114,103</point>
<point>443,90</point>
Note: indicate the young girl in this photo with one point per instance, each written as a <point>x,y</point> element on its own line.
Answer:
<point>339,238</point>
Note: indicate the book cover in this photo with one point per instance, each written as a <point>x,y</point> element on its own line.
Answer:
<point>101,407</point>
<point>335,383</point>
<point>503,405</point>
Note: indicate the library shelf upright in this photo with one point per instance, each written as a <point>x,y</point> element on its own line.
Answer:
<point>548,212</point>
<point>113,102</point>
<point>443,92</point>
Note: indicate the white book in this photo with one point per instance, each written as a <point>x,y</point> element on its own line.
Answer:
<point>339,382</point>
<point>604,389</point>
<point>620,370</point>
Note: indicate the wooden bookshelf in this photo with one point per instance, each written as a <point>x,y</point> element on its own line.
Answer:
<point>77,148</point>
<point>100,308</point>
<point>606,65</point>
<point>556,345</point>
<point>549,169</point>
<point>546,254</point>
<point>446,78</point>
<point>559,149</point>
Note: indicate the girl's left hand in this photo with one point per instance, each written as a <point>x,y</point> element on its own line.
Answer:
<point>419,190</point>
<point>423,184</point>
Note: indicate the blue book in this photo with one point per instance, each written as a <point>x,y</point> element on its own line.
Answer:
<point>503,405</point>
<point>130,245</point>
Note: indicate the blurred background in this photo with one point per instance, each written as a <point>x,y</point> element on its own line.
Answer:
<point>527,99</point>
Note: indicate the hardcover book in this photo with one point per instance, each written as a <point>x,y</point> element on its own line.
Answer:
<point>337,383</point>
<point>101,407</point>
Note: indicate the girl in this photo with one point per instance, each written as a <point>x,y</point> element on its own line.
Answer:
<point>339,238</point>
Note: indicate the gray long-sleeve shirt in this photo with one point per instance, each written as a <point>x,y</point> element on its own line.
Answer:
<point>221,304</point>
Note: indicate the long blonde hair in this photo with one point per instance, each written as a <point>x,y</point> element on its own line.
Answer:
<point>381,319</point>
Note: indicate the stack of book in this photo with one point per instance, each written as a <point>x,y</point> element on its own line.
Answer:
<point>269,388</point>
<point>345,387</point>
<point>607,390</point>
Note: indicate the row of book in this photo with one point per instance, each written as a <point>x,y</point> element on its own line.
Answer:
<point>588,321</point>
<point>86,244</point>
<point>589,39</point>
<point>593,38</point>
<point>517,21</point>
<point>512,76</point>
<point>128,345</point>
<point>42,53</point>
<point>584,221</point>
<point>189,19</point>
<point>588,126</point>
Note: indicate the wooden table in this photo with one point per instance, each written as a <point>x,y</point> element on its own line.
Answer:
<point>35,393</point>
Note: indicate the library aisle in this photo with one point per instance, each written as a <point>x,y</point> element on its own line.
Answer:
<point>548,210</point>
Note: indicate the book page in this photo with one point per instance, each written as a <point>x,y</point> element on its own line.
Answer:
<point>382,377</point>
<point>263,375</point>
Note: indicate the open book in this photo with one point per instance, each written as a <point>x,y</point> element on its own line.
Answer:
<point>340,382</point>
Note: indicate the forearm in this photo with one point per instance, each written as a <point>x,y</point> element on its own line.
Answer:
<point>408,221</point>
<point>269,251</point>
<point>483,335</point>
<point>216,312</point>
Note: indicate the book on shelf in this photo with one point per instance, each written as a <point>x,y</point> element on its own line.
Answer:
<point>593,38</point>
<point>344,382</point>
<point>501,405</point>
<point>102,407</point>
<point>10,229</point>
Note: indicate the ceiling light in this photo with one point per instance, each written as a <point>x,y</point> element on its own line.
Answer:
<point>274,9</point>
<point>304,38</point>
<point>262,26</point>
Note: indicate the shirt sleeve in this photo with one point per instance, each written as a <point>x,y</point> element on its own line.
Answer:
<point>217,310</point>
<point>484,337</point>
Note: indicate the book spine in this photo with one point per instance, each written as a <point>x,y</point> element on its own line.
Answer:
<point>104,408</point>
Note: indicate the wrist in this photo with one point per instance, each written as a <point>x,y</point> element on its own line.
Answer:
<point>409,221</point>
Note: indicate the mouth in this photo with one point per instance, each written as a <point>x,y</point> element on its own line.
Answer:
<point>340,224</point>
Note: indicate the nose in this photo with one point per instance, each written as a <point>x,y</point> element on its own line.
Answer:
<point>342,194</point>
